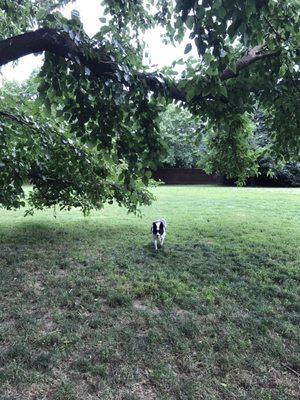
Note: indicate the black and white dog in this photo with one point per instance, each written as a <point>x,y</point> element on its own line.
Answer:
<point>159,231</point>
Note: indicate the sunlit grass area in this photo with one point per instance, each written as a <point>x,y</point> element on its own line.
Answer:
<point>89,311</point>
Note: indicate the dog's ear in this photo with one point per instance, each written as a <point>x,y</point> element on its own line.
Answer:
<point>154,228</point>
<point>161,228</point>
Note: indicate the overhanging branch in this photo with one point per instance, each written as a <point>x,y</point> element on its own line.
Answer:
<point>59,43</point>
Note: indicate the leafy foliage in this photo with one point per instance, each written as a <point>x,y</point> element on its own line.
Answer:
<point>182,133</point>
<point>63,170</point>
<point>19,15</point>
<point>271,170</point>
<point>238,161</point>
<point>97,97</point>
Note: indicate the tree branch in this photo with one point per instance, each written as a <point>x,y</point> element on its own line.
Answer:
<point>255,54</point>
<point>278,36</point>
<point>59,43</point>
<point>16,118</point>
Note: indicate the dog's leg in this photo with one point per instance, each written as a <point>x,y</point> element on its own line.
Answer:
<point>162,240</point>
<point>155,244</point>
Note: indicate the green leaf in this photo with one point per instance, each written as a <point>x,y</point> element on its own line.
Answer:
<point>200,12</point>
<point>41,14</point>
<point>221,12</point>
<point>232,66</point>
<point>190,22</point>
<point>223,91</point>
<point>188,48</point>
<point>201,46</point>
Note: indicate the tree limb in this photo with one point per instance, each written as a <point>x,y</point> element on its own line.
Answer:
<point>255,54</point>
<point>16,118</point>
<point>278,36</point>
<point>60,43</point>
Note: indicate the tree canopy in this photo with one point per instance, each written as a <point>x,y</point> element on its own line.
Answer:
<point>91,134</point>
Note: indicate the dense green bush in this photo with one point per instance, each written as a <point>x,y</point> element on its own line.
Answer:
<point>271,171</point>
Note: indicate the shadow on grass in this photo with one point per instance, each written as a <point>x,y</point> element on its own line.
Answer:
<point>53,232</point>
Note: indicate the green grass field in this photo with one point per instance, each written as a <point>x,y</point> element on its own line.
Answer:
<point>89,311</point>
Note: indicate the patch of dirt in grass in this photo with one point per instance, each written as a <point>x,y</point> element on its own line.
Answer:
<point>103,306</point>
<point>36,286</point>
<point>123,320</point>
<point>279,378</point>
<point>62,370</point>
<point>143,391</point>
<point>270,378</point>
<point>61,273</point>
<point>47,323</point>
<point>35,392</point>
<point>181,313</point>
<point>31,309</point>
<point>138,305</point>
<point>185,314</point>
<point>34,282</point>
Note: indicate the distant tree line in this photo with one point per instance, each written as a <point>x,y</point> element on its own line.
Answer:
<point>185,138</point>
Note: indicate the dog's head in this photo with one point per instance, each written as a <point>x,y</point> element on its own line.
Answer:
<point>158,228</point>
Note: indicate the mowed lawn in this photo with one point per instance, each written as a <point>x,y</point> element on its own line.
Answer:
<point>89,311</point>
